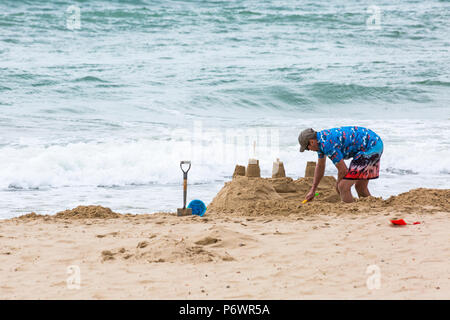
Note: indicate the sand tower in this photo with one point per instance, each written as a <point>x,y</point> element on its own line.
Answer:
<point>253,169</point>
<point>239,171</point>
<point>310,168</point>
<point>278,169</point>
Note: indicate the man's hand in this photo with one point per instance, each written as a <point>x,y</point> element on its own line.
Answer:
<point>310,195</point>
<point>318,174</point>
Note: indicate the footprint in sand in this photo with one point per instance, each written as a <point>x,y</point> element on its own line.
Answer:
<point>107,255</point>
<point>206,241</point>
<point>142,244</point>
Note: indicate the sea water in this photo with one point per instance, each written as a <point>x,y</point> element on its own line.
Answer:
<point>101,100</point>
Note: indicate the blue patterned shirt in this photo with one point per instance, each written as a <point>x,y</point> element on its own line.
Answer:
<point>345,142</point>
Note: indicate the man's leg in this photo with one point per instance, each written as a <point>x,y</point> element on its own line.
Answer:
<point>361,188</point>
<point>344,190</point>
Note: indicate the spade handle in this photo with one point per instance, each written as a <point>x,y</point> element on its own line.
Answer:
<point>185,172</point>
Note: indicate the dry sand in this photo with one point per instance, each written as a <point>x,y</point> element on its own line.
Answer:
<point>259,244</point>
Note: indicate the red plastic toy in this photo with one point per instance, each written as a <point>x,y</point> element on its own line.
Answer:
<point>401,222</point>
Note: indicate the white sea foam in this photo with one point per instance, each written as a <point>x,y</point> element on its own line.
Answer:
<point>148,161</point>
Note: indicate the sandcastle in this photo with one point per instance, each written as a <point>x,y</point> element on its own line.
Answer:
<point>249,193</point>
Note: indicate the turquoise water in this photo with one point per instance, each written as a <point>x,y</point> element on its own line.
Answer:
<point>104,113</point>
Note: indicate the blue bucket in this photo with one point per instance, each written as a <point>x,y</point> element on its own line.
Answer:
<point>198,207</point>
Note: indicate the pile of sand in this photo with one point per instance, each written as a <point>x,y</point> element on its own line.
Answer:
<point>283,196</point>
<point>80,212</point>
<point>31,216</point>
<point>437,198</point>
<point>211,246</point>
<point>88,212</point>
<point>170,250</point>
<point>269,195</point>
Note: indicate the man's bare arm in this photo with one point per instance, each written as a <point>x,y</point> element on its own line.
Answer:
<point>319,172</point>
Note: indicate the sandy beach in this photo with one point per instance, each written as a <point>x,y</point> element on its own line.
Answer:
<point>322,250</point>
<point>115,114</point>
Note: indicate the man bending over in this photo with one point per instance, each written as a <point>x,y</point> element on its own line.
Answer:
<point>361,144</point>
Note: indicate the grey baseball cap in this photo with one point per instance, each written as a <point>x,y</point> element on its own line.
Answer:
<point>305,136</point>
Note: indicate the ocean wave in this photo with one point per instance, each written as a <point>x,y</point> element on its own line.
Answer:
<point>156,161</point>
<point>336,19</point>
<point>331,92</point>
<point>9,40</point>
<point>400,171</point>
<point>89,79</point>
<point>111,86</point>
<point>111,163</point>
<point>45,83</point>
<point>269,97</point>
<point>433,83</point>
